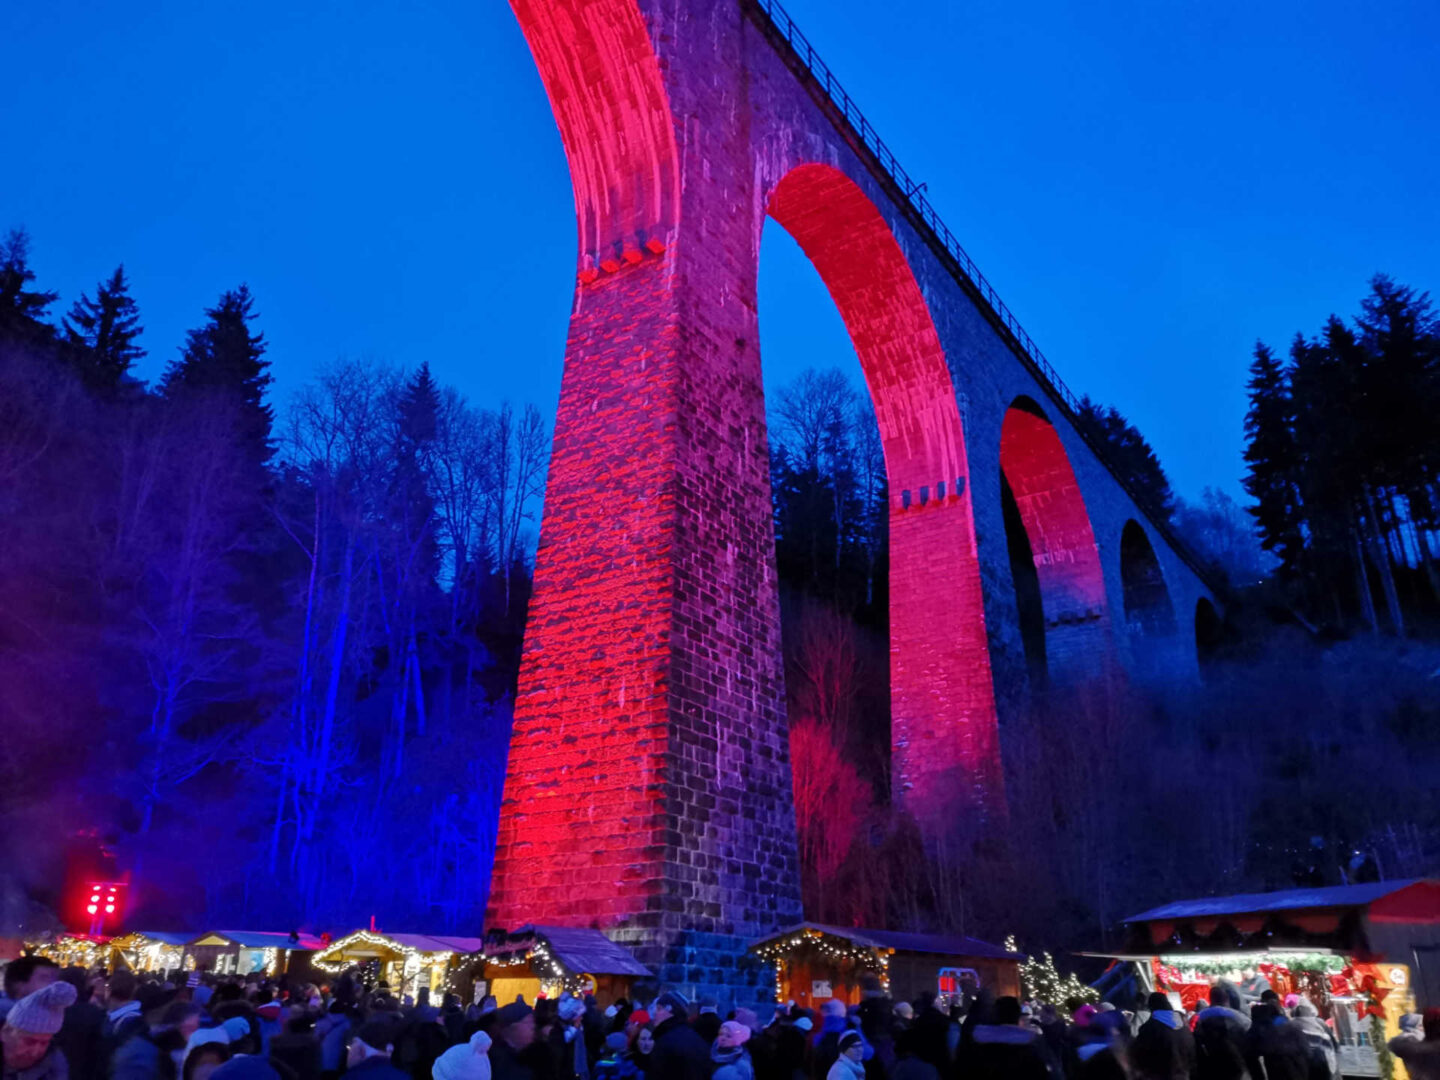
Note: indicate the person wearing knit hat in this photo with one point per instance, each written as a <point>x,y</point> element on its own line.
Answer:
<point>729,1056</point>
<point>849,1064</point>
<point>468,1061</point>
<point>30,1028</point>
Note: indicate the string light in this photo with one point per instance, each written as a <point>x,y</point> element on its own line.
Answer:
<point>555,978</point>
<point>412,961</point>
<point>780,952</point>
<point>1041,981</point>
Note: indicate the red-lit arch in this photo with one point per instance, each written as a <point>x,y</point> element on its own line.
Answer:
<point>1061,542</point>
<point>605,87</point>
<point>943,705</point>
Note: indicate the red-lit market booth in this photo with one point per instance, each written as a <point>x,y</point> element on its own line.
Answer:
<point>1364,955</point>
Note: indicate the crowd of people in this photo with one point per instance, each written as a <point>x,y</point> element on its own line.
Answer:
<point>71,1024</point>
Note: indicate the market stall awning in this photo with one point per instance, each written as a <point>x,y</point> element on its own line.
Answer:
<point>580,951</point>
<point>164,937</point>
<point>428,943</point>
<point>258,939</point>
<point>1287,900</point>
<point>899,941</point>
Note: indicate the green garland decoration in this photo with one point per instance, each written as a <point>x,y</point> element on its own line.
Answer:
<point>1323,963</point>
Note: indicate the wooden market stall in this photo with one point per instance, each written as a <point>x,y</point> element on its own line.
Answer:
<point>537,961</point>
<point>244,952</point>
<point>814,962</point>
<point>72,950</point>
<point>150,950</point>
<point>406,962</point>
<point>1362,954</point>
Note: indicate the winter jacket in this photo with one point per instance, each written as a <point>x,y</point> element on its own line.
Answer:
<point>1221,1040</point>
<point>732,1064</point>
<point>1097,1060</point>
<point>330,1030</point>
<point>375,1068</point>
<point>1421,1058</point>
<point>505,1063</point>
<point>1005,1052</point>
<point>679,1054</point>
<point>931,1030</point>
<point>1324,1047</point>
<point>1281,1049</point>
<point>845,1069</point>
<point>52,1066</point>
<point>707,1026</point>
<point>82,1040</point>
<point>616,1067</point>
<point>912,1068</point>
<point>146,1056</point>
<point>1163,1048</point>
<point>299,1051</point>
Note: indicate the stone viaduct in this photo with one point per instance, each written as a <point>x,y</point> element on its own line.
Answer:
<point>648,786</point>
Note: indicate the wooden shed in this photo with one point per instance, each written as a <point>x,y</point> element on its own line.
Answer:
<point>150,950</point>
<point>244,952</point>
<point>406,962</point>
<point>549,960</point>
<point>814,962</point>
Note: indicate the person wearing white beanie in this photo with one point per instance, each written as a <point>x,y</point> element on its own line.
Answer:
<point>26,1052</point>
<point>468,1061</point>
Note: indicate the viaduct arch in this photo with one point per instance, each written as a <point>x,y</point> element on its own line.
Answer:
<point>648,786</point>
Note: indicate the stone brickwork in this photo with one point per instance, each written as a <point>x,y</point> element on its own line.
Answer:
<point>648,791</point>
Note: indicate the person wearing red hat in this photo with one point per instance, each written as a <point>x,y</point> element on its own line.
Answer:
<point>26,1052</point>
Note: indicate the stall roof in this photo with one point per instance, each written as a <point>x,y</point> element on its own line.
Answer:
<point>165,937</point>
<point>263,939</point>
<point>581,950</point>
<point>431,944</point>
<point>1286,900</point>
<point>902,941</point>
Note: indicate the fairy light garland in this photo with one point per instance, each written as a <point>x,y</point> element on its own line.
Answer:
<point>1041,981</point>
<point>411,961</point>
<point>555,978</point>
<point>869,957</point>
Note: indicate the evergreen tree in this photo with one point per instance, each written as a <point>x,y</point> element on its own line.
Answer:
<point>1272,461</point>
<point>102,332</point>
<point>22,309</point>
<point>1131,456</point>
<point>420,408</point>
<point>223,358</point>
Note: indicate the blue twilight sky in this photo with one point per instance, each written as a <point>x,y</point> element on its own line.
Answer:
<point>1150,185</point>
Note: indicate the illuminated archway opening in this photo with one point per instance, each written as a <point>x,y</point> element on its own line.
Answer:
<point>943,733</point>
<point>1029,605</point>
<point>1053,526</point>
<point>1148,610</point>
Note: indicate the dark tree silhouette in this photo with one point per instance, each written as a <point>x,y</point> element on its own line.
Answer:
<point>1130,454</point>
<point>225,362</point>
<point>102,333</point>
<point>22,309</point>
<point>1272,460</point>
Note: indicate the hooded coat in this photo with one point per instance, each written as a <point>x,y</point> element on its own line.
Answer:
<point>679,1054</point>
<point>1421,1058</point>
<point>1222,1037</point>
<point>1163,1048</point>
<point>1324,1047</point>
<point>1279,1045</point>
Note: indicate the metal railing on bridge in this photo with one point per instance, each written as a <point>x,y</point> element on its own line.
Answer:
<point>912,194</point>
